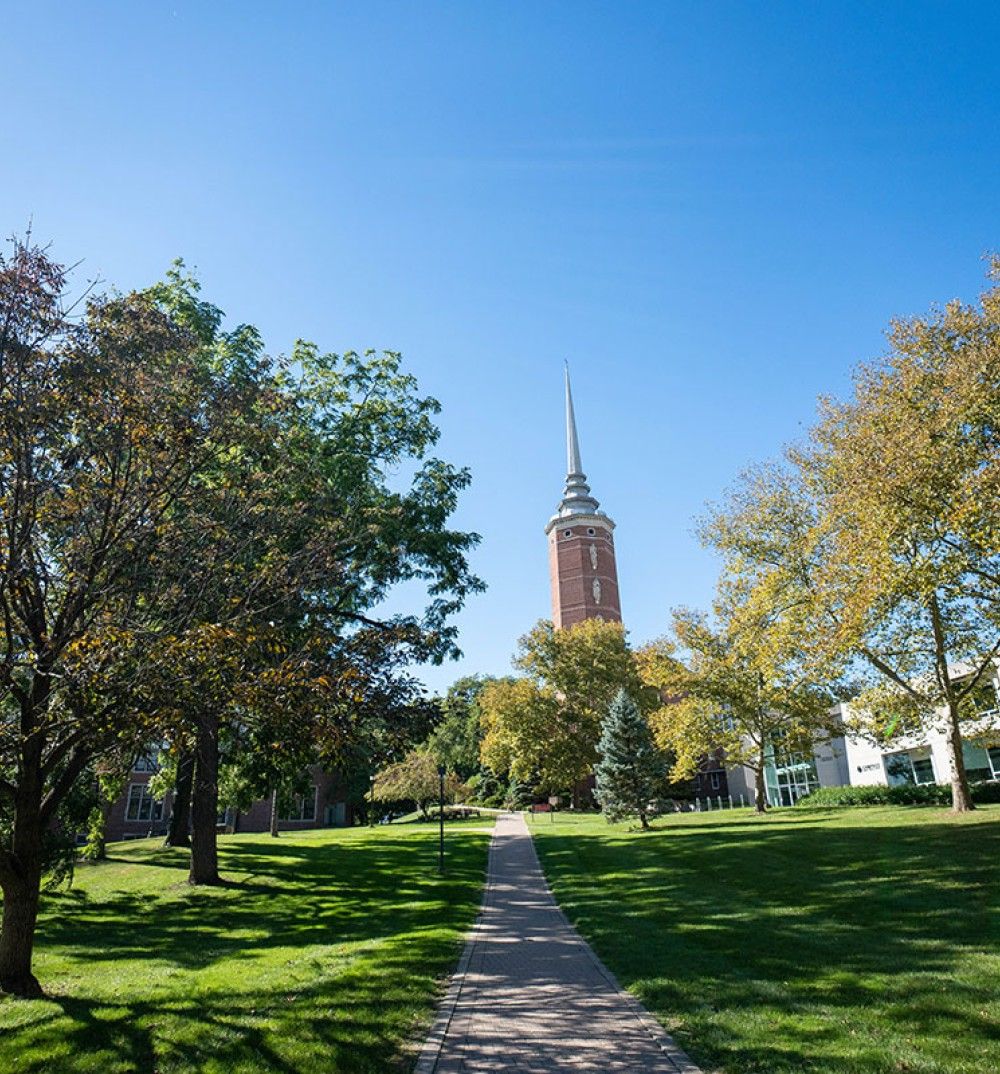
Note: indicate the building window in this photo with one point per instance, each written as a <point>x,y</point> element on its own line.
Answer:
<point>910,766</point>
<point>788,775</point>
<point>300,806</point>
<point>568,533</point>
<point>714,780</point>
<point>590,531</point>
<point>994,755</point>
<point>141,804</point>
<point>726,721</point>
<point>923,770</point>
<point>145,763</point>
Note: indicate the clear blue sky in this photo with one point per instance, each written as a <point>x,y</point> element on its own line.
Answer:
<point>710,209</point>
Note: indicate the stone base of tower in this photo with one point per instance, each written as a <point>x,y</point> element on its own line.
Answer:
<point>582,569</point>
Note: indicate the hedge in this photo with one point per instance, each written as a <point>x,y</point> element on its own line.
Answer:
<point>903,794</point>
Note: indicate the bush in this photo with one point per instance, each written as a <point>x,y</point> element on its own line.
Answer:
<point>903,794</point>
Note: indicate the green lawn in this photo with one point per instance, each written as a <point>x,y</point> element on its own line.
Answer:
<point>324,953</point>
<point>860,941</point>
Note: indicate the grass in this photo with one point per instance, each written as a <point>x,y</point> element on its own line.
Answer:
<point>861,941</point>
<point>324,952</point>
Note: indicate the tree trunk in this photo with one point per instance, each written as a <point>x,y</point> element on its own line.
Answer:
<point>274,813</point>
<point>179,833</point>
<point>760,790</point>
<point>961,794</point>
<point>17,934</point>
<point>644,821</point>
<point>205,803</point>
<point>21,863</point>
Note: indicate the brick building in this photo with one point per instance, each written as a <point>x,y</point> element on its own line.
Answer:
<point>137,814</point>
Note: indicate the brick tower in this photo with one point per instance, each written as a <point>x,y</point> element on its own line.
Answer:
<point>582,569</point>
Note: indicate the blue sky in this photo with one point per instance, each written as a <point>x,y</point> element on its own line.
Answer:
<point>711,209</point>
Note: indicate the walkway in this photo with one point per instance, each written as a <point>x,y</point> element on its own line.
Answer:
<point>530,997</point>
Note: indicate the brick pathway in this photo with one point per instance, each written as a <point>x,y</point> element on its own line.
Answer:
<point>530,997</point>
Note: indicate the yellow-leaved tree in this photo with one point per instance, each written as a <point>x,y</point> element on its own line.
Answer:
<point>730,689</point>
<point>880,535</point>
<point>542,727</point>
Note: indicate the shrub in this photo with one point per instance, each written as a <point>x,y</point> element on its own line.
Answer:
<point>903,794</point>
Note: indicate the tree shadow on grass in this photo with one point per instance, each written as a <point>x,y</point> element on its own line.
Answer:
<point>318,956</point>
<point>288,895</point>
<point>341,1026</point>
<point>789,947</point>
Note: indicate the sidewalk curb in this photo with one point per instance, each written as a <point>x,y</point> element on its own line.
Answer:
<point>427,1060</point>
<point>673,1051</point>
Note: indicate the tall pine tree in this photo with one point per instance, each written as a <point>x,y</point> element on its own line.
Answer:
<point>630,765</point>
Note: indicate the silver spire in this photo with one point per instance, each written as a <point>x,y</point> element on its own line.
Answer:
<point>576,496</point>
<point>573,464</point>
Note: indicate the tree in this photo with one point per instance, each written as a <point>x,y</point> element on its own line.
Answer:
<point>882,530</point>
<point>415,779</point>
<point>307,530</point>
<point>630,766</point>
<point>193,538</point>
<point>543,726</point>
<point>730,689</point>
<point>104,421</point>
<point>456,740</point>
<point>914,565</point>
<point>179,830</point>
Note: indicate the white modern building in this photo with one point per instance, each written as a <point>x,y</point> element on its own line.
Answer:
<point>851,760</point>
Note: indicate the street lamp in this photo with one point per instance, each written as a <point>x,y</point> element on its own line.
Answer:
<point>441,818</point>
<point>371,800</point>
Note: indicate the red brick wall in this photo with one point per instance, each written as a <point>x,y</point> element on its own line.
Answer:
<point>256,819</point>
<point>572,573</point>
<point>118,826</point>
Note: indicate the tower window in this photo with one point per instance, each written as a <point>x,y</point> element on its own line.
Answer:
<point>591,531</point>
<point>568,533</point>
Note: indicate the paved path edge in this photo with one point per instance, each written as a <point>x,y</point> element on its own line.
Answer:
<point>664,1041</point>
<point>431,1051</point>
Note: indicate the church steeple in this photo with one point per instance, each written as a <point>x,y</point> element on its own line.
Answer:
<point>576,499</point>
<point>582,567</point>
<point>573,465</point>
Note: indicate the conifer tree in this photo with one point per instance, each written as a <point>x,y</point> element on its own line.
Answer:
<point>630,764</point>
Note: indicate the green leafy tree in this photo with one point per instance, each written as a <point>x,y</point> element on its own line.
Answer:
<point>456,740</point>
<point>630,768</point>
<point>308,529</point>
<point>543,726</point>
<point>414,779</point>
<point>882,531</point>
<point>195,538</point>
<point>730,688</point>
<point>104,423</point>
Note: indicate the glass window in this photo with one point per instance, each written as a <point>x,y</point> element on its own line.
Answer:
<point>977,762</point>
<point>299,807</point>
<point>994,755</point>
<point>923,770</point>
<point>141,804</point>
<point>145,763</point>
<point>796,782</point>
<point>898,769</point>
<point>714,780</point>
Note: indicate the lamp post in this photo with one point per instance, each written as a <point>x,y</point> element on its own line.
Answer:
<point>371,800</point>
<point>441,818</point>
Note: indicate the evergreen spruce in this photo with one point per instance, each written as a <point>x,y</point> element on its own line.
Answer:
<point>630,764</point>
